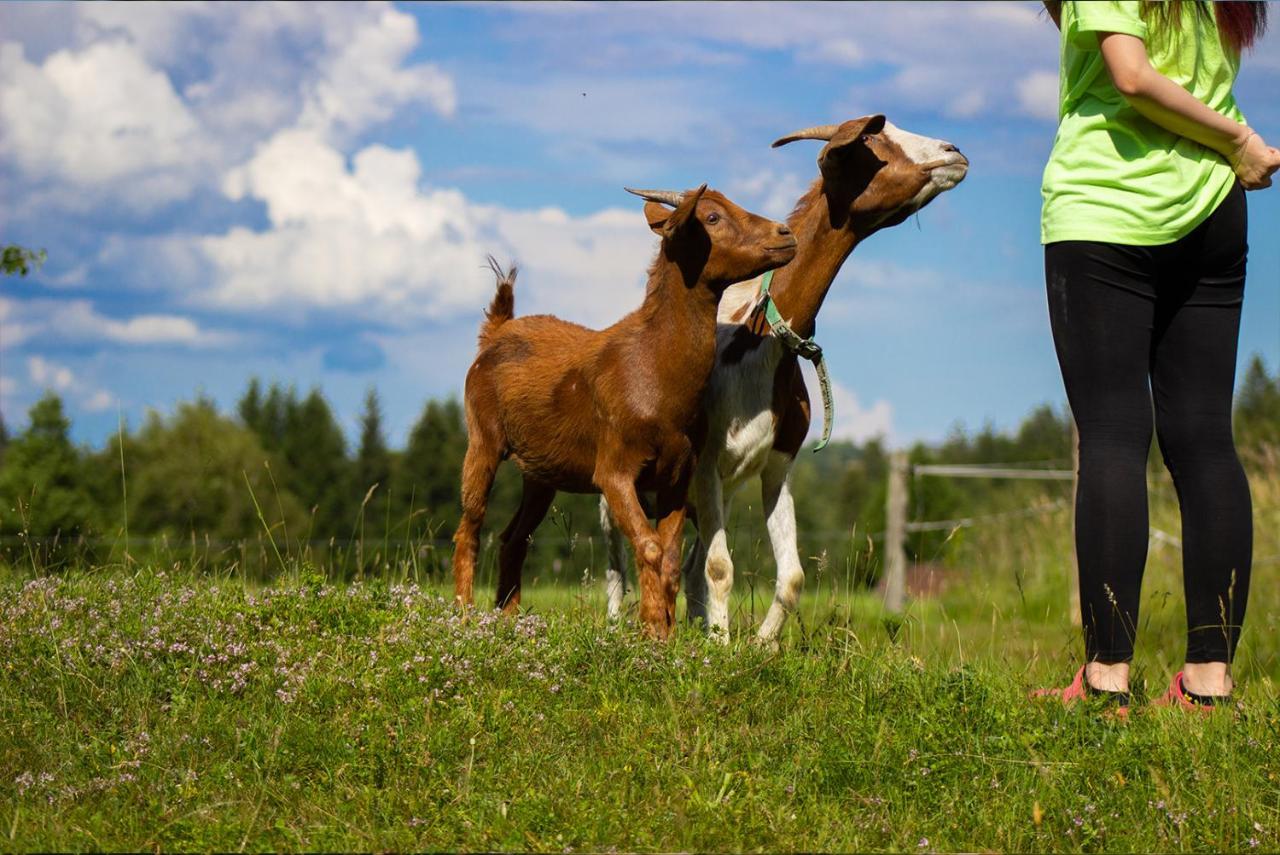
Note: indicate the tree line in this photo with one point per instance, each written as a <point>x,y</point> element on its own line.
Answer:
<point>278,478</point>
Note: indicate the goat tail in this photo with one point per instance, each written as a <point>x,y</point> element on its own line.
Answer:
<point>503,306</point>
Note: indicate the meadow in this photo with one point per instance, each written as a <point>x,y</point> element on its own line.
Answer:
<point>166,704</point>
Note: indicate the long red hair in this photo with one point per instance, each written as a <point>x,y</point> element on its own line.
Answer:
<point>1240,22</point>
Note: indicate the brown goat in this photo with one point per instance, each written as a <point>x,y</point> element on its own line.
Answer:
<point>613,410</point>
<point>872,175</point>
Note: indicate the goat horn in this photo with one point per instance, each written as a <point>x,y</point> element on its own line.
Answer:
<point>817,132</point>
<point>666,197</point>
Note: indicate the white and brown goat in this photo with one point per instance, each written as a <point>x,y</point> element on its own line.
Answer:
<point>872,176</point>
<point>613,410</point>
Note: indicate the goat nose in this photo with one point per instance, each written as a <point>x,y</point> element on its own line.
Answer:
<point>783,230</point>
<point>950,147</point>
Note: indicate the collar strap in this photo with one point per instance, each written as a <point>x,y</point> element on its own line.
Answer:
<point>805,348</point>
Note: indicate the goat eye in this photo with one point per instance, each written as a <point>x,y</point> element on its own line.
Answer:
<point>712,219</point>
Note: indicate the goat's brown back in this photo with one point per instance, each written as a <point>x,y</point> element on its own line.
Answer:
<point>559,386</point>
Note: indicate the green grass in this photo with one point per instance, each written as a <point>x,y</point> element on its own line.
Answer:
<point>142,709</point>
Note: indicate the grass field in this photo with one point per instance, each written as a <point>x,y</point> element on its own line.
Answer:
<point>149,707</point>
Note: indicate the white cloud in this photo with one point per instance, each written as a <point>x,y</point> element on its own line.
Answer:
<point>368,239</point>
<point>99,121</point>
<point>49,375</point>
<point>99,401</point>
<point>363,82</point>
<point>1038,95</point>
<point>93,118</point>
<point>771,193</point>
<point>364,238</point>
<point>588,269</point>
<point>64,322</point>
<point>853,421</point>
<point>840,51</point>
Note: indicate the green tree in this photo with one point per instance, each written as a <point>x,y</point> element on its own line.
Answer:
<point>187,474</point>
<point>315,451</point>
<point>250,407</point>
<point>18,260</point>
<point>430,471</point>
<point>1257,411</point>
<point>372,468</point>
<point>271,424</point>
<point>1045,435</point>
<point>42,484</point>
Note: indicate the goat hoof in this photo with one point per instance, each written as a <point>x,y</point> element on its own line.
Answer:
<point>769,645</point>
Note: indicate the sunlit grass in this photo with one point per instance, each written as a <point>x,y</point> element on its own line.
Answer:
<point>174,704</point>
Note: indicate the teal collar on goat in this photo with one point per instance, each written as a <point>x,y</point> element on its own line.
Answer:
<point>803,347</point>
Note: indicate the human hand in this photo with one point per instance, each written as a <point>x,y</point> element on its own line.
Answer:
<point>1253,160</point>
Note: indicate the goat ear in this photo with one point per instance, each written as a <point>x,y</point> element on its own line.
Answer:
<point>656,215</point>
<point>851,133</point>
<point>684,212</point>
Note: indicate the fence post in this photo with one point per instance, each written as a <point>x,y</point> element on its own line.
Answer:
<point>895,555</point>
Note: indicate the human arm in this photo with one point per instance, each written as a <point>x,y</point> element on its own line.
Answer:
<point>1171,107</point>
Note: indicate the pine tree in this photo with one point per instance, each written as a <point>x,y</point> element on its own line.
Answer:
<point>432,466</point>
<point>250,407</point>
<point>1044,435</point>
<point>42,485</point>
<point>316,453</point>
<point>272,421</point>
<point>1257,412</point>
<point>373,467</point>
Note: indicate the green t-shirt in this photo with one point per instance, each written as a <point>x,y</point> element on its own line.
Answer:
<point>1114,175</point>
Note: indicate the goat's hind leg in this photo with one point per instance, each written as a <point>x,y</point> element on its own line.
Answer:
<point>780,518</point>
<point>535,501</point>
<point>718,564</point>
<point>478,468</point>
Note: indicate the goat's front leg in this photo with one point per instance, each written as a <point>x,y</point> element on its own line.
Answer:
<point>780,518</point>
<point>695,582</point>
<point>615,574</point>
<point>620,491</point>
<point>708,494</point>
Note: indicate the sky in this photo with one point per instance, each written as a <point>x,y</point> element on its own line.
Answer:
<point>307,193</point>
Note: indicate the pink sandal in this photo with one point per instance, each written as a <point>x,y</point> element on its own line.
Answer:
<point>1179,697</point>
<point>1118,702</point>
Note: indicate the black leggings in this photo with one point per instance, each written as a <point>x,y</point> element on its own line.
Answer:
<point>1133,323</point>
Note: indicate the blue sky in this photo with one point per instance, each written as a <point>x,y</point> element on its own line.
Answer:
<point>306,192</point>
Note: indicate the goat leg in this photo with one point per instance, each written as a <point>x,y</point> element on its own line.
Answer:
<point>535,501</point>
<point>671,510</point>
<point>620,493</point>
<point>478,469</point>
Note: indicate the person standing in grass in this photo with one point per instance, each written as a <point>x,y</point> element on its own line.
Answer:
<point>1144,233</point>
